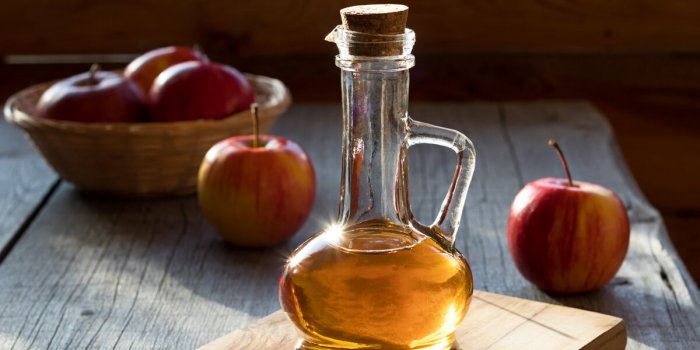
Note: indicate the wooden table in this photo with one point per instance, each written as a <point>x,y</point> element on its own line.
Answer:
<point>83,272</point>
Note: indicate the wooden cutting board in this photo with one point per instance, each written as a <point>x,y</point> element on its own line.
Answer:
<point>494,322</point>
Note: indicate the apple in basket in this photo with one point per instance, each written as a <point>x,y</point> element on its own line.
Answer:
<point>94,96</point>
<point>256,191</point>
<point>567,236</point>
<point>199,90</point>
<point>144,69</point>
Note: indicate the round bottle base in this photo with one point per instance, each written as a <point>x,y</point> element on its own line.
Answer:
<point>445,344</point>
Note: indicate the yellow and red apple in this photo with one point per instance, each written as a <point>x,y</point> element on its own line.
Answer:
<point>256,195</point>
<point>144,69</point>
<point>567,236</point>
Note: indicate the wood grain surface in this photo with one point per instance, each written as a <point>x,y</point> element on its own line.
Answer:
<point>25,182</point>
<point>494,322</point>
<point>273,27</point>
<point>98,273</point>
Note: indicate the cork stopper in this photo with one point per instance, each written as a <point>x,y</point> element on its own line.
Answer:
<point>376,21</point>
<point>384,19</point>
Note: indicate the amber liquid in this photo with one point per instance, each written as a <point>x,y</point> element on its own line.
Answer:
<point>375,287</point>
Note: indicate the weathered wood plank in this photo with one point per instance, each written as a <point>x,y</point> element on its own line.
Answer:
<point>100,273</point>
<point>652,279</point>
<point>25,181</point>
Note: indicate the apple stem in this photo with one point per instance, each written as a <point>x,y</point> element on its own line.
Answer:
<point>200,53</point>
<point>553,143</point>
<point>94,68</point>
<point>256,131</point>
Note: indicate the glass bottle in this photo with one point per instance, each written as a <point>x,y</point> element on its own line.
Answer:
<point>378,278</point>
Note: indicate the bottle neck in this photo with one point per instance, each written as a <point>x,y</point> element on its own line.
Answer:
<point>375,103</point>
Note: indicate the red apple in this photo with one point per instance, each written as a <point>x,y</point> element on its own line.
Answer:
<point>567,236</point>
<point>144,69</point>
<point>95,96</point>
<point>256,196</point>
<point>199,90</point>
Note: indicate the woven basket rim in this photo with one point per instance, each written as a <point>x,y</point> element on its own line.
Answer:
<point>272,96</point>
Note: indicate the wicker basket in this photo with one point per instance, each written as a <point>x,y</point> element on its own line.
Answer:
<point>137,159</point>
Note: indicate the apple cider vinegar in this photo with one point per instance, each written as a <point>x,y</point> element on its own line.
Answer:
<point>378,278</point>
<point>376,286</point>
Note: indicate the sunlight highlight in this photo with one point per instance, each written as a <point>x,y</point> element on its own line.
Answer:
<point>452,319</point>
<point>334,230</point>
<point>334,233</point>
<point>295,259</point>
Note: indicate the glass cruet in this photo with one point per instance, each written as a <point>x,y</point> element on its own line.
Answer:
<point>377,278</point>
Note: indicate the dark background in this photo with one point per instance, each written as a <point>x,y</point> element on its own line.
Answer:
<point>638,61</point>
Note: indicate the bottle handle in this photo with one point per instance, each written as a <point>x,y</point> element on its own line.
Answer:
<point>444,227</point>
